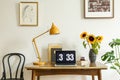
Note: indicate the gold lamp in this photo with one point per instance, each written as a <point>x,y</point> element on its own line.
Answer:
<point>52,31</point>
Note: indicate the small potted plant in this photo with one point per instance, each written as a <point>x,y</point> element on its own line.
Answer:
<point>113,56</point>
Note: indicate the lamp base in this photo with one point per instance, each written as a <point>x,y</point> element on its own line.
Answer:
<point>39,63</point>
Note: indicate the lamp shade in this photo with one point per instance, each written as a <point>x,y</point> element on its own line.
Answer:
<point>54,30</point>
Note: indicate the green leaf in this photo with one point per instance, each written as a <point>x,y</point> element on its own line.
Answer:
<point>98,46</point>
<point>117,64</point>
<point>108,56</point>
<point>113,67</point>
<point>84,44</point>
<point>117,41</point>
<point>95,44</point>
<point>114,42</point>
<point>96,51</point>
<point>111,44</point>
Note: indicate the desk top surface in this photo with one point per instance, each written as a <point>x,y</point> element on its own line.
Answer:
<point>96,65</point>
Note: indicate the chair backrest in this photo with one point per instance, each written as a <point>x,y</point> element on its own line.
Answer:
<point>7,59</point>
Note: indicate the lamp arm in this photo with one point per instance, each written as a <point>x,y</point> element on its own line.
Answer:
<point>35,45</point>
<point>41,34</point>
<point>36,48</point>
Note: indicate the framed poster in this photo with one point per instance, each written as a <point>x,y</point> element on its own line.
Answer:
<point>28,14</point>
<point>52,48</point>
<point>98,8</point>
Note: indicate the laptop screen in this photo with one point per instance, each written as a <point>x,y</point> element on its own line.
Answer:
<point>66,57</point>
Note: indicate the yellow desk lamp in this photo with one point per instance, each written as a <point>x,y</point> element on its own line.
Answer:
<point>52,31</point>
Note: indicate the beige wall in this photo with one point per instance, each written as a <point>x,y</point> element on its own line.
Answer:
<point>68,16</point>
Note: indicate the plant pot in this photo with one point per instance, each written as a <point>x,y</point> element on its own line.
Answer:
<point>92,56</point>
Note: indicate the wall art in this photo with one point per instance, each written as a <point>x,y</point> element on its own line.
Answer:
<point>98,8</point>
<point>52,48</point>
<point>28,13</point>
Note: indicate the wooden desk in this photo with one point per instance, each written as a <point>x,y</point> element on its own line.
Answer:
<point>48,69</point>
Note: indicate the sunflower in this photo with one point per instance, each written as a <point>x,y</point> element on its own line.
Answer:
<point>83,35</point>
<point>91,38</point>
<point>92,41</point>
<point>99,38</point>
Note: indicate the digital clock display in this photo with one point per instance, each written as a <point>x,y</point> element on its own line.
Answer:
<point>65,58</point>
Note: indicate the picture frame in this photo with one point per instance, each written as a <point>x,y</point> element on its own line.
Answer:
<point>98,9</point>
<point>52,48</point>
<point>28,13</point>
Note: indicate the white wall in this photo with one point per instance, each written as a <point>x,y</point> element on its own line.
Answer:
<point>68,16</point>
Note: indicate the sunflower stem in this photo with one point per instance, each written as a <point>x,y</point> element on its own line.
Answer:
<point>88,43</point>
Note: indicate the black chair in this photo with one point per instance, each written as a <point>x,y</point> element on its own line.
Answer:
<point>7,60</point>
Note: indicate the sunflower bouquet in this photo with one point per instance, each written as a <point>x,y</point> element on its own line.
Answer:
<point>92,41</point>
